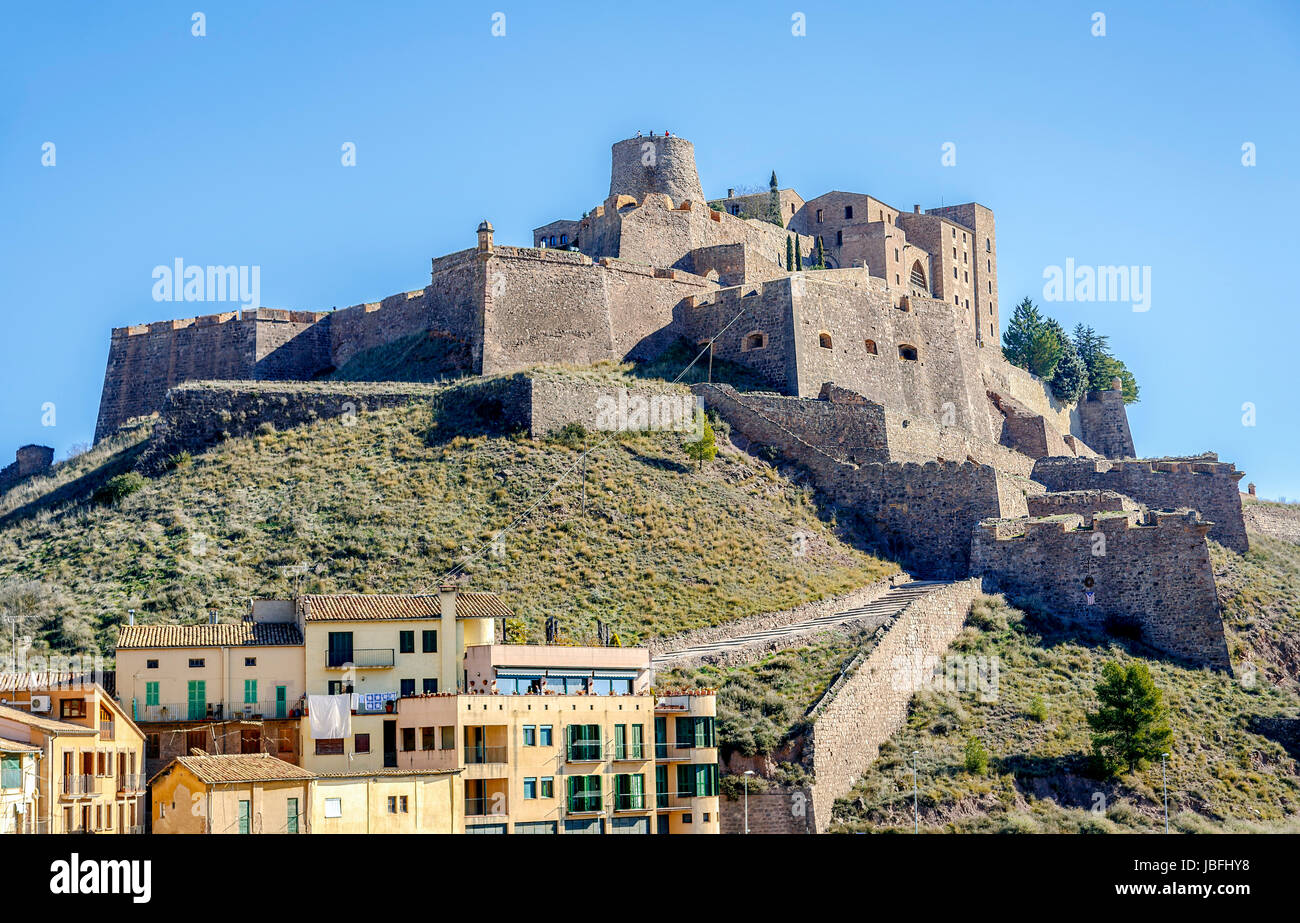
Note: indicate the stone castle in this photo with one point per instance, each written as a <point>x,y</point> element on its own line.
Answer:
<point>886,380</point>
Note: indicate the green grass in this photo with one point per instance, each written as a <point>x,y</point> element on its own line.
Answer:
<point>1260,593</point>
<point>1230,769</point>
<point>761,705</point>
<point>381,507</point>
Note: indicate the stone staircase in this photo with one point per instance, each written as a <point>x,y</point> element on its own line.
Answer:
<point>872,615</point>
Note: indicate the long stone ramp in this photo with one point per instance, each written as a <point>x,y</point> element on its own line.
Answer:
<point>871,615</point>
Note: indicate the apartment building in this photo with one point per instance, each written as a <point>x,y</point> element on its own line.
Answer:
<point>217,687</point>
<point>19,768</point>
<point>90,777</point>
<point>560,740</point>
<point>378,649</point>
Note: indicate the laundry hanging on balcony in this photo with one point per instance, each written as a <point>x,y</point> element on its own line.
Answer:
<point>331,716</point>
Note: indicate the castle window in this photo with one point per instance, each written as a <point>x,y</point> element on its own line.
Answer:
<point>918,274</point>
<point>552,240</point>
<point>848,211</point>
<point>839,238</point>
<point>824,340</point>
<point>954,272</point>
<point>871,347</point>
<point>988,247</point>
<point>755,340</point>
<point>564,239</point>
<point>895,254</point>
<point>792,208</point>
<point>819,216</point>
<point>908,352</point>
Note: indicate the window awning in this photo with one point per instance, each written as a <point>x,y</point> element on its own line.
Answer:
<point>569,674</point>
<point>519,674</point>
<point>616,674</point>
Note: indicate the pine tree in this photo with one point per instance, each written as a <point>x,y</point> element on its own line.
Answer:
<point>1032,341</point>
<point>798,256</point>
<point>1131,723</point>
<point>1094,350</point>
<point>1070,380</point>
<point>789,254</point>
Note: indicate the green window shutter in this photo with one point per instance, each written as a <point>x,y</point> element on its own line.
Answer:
<point>638,741</point>
<point>150,693</point>
<point>250,692</point>
<point>661,786</point>
<point>245,816</point>
<point>198,699</point>
<point>620,741</point>
<point>11,772</point>
<point>292,825</point>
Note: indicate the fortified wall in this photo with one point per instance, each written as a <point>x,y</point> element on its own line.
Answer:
<point>1113,571</point>
<point>29,461</point>
<point>1202,483</point>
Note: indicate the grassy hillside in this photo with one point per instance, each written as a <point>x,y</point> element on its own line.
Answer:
<point>393,502</point>
<point>1231,767</point>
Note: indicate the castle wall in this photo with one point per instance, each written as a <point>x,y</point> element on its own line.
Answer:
<point>1003,378</point>
<point>144,361</point>
<point>1103,422</point>
<point>918,513</point>
<point>197,415</point>
<point>291,345</point>
<point>870,704</point>
<point>1155,577</point>
<point>1202,484</point>
<point>29,461</point>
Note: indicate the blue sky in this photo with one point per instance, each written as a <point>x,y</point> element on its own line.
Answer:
<point>225,149</point>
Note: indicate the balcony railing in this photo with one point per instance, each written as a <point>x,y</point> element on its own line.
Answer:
<point>75,786</point>
<point>584,751</point>
<point>130,782</point>
<point>362,658</point>
<point>490,806</point>
<point>212,711</point>
<point>485,754</point>
<point>631,751</point>
<point>106,730</point>
<point>676,751</point>
<point>584,804</point>
<point>629,802</point>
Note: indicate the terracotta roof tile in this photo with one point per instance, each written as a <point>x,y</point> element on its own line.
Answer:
<point>14,746</point>
<point>240,767</point>
<point>42,722</point>
<point>228,634</point>
<point>391,606</point>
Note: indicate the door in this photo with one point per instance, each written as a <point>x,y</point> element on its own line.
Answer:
<point>340,651</point>
<point>281,701</point>
<point>661,823</point>
<point>390,744</point>
<point>661,738</point>
<point>198,705</point>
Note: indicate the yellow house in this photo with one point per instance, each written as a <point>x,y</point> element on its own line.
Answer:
<point>377,649</point>
<point>217,687</point>
<point>387,801</point>
<point>230,793</point>
<point>91,757</point>
<point>18,774</point>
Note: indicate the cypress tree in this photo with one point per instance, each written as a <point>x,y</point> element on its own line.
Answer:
<point>789,254</point>
<point>798,256</point>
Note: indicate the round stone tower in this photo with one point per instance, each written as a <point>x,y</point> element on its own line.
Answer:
<point>658,164</point>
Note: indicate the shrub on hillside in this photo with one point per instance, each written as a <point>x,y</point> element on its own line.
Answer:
<point>118,488</point>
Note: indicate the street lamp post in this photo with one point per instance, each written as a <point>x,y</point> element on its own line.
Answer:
<point>1164,782</point>
<point>748,773</point>
<point>916,811</point>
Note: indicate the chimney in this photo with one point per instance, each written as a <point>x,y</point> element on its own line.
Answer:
<point>212,616</point>
<point>448,645</point>
<point>916,209</point>
<point>130,614</point>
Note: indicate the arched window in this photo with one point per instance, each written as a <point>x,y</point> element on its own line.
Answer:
<point>552,240</point>
<point>754,340</point>
<point>908,352</point>
<point>918,274</point>
<point>871,348</point>
<point>564,239</point>
<point>824,340</point>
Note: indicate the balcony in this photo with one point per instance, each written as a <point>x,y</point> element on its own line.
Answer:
<point>679,752</point>
<point>584,751</point>
<point>77,786</point>
<point>629,752</point>
<point>474,754</point>
<point>489,806</point>
<point>665,800</point>
<point>630,802</point>
<point>583,804</point>
<point>363,658</point>
<point>106,730</point>
<point>212,711</point>
<point>130,782</point>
